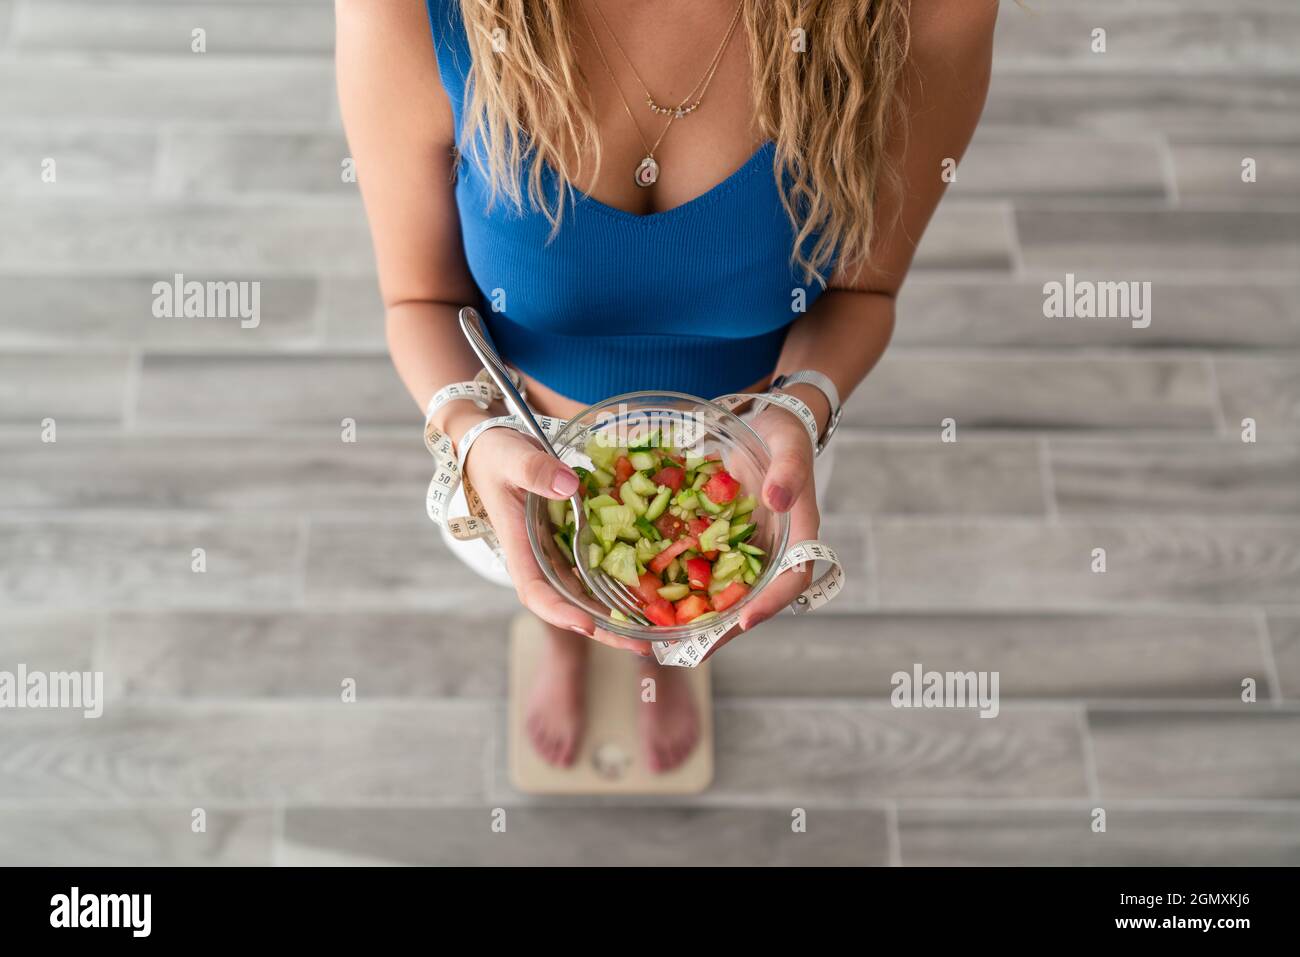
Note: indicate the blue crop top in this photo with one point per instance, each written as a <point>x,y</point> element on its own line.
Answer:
<point>694,299</point>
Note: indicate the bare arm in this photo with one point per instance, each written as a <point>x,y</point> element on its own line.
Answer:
<point>846,331</point>
<point>848,327</point>
<point>401,133</point>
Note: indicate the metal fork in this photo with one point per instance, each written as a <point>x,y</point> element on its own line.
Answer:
<point>613,593</point>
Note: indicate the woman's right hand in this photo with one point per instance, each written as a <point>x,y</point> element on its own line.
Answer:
<point>504,466</point>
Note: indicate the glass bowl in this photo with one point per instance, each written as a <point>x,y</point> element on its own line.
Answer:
<point>700,426</point>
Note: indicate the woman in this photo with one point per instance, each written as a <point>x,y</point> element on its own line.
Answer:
<point>693,195</point>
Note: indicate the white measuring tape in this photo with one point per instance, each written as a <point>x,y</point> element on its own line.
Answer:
<point>449,474</point>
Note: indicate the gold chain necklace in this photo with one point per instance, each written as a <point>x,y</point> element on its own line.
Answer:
<point>647,171</point>
<point>685,107</point>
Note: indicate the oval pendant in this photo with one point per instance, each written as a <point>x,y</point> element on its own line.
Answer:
<point>647,173</point>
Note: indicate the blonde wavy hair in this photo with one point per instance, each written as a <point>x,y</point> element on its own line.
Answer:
<point>828,109</point>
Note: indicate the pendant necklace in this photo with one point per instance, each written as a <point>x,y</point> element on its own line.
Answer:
<point>647,171</point>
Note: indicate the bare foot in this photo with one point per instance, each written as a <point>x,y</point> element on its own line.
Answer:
<point>557,702</point>
<point>670,725</point>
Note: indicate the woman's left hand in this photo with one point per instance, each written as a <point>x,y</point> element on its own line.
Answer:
<point>787,487</point>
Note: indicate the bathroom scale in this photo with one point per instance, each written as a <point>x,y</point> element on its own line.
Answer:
<point>609,759</point>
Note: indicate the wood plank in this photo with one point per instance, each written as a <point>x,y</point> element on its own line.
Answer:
<point>135,561</point>
<point>76,312</point>
<point>305,654</point>
<point>123,92</point>
<point>1025,566</point>
<point>1212,172</point>
<point>47,641</point>
<point>808,753</point>
<point>1264,388</point>
<point>254,162</point>
<point>1131,244</point>
<point>85,388</point>
<point>993,314</point>
<point>110,25</point>
<point>1191,476</point>
<point>1197,754</point>
<point>1037,656</point>
<point>385,563</point>
<point>1284,637</point>
<point>923,475</point>
<point>306,472</point>
<point>85,162</point>
<point>269,753</point>
<point>1135,836</point>
<point>1159,37</point>
<point>133,837</point>
<point>1215,105</point>
<point>1031,168</point>
<point>916,390</point>
<point>587,837</point>
<point>208,243</point>
<point>205,392</point>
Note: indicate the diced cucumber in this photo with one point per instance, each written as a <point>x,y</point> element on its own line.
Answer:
<point>674,592</point>
<point>616,516</point>
<point>728,564</point>
<point>714,535</point>
<point>556,508</point>
<point>602,455</point>
<point>642,485</point>
<point>620,563</point>
<point>643,460</point>
<point>648,530</point>
<point>565,545</point>
<point>659,503</point>
<point>744,505</point>
<point>753,564</point>
<point>645,550</point>
<point>750,549</point>
<point>700,479</point>
<point>605,534</point>
<point>749,577</point>
<point>594,555</point>
<point>667,463</point>
<point>673,571</point>
<point>686,499</point>
<point>629,533</point>
<point>632,500</point>
<point>717,584</point>
<point>601,479</point>
<point>693,462</point>
<point>737,533</point>
<point>709,468</point>
<point>647,441</point>
<point>601,501</point>
<point>708,615</point>
<point>617,615</point>
<point>709,506</point>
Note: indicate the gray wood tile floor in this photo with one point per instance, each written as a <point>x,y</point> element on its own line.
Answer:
<point>1120,690</point>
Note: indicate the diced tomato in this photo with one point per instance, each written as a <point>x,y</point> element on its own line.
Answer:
<point>698,572</point>
<point>669,525</point>
<point>691,607</point>
<point>623,469</point>
<point>698,525</point>
<point>722,488</point>
<point>729,596</point>
<point>679,459</point>
<point>665,558</point>
<point>713,457</point>
<point>649,587</point>
<point>674,478</point>
<point>661,612</point>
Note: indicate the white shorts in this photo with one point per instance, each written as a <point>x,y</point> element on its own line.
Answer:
<point>478,556</point>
